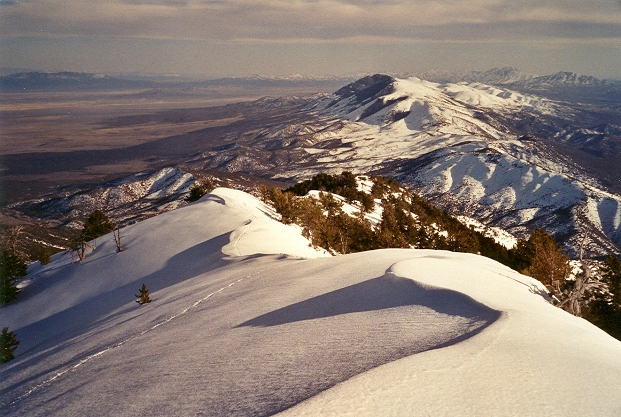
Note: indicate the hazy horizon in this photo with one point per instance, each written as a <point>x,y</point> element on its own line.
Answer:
<point>213,38</point>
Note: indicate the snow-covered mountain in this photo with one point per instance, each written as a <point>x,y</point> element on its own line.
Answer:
<point>247,319</point>
<point>514,77</point>
<point>127,199</point>
<point>466,147</point>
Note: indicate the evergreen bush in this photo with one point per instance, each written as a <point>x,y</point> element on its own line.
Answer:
<point>8,344</point>
<point>12,268</point>
<point>143,295</point>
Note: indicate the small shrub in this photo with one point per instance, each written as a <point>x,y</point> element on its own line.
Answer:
<point>8,344</point>
<point>143,296</point>
<point>44,256</point>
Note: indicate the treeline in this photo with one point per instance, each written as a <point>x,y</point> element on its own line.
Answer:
<point>407,221</point>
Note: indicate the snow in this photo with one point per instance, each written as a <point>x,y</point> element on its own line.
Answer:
<point>374,217</point>
<point>247,319</point>
<point>520,365</point>
<point>499,235</point>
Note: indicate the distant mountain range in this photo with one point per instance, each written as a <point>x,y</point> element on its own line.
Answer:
<point>513,76</point>
<point>561,85</point>
<point>33,81</point>
<point>508,76</point>
<point>41,81</point>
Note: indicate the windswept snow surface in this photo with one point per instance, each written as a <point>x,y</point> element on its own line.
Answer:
<point>247,319</point>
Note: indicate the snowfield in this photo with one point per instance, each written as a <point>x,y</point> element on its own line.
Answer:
<point>247,319</point>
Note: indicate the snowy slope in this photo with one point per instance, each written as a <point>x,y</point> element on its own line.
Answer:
<point>246,319</point>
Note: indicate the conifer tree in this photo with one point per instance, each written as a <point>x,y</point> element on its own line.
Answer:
<point>44,256</point>
<point>143,296</point>
<point>199,189</point>
<point>98,224</point>
<point>12,268</point>
<point>8,344</point>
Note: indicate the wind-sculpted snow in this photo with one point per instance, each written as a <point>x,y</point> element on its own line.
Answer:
<point>246,319</point>
<point>529,362</point>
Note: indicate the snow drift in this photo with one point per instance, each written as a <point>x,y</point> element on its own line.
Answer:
<point>247,319</point>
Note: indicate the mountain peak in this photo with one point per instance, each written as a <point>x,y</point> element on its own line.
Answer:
<point>366,87</point>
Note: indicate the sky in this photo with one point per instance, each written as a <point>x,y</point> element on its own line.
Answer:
<point>215,38</point>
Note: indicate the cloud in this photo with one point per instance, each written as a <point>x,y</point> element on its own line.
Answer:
<point>320,20</point>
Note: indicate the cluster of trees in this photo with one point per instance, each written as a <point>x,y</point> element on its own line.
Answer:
<point>344,185</point>
<point>407,221</point>
<point>199,189</point>
<point>13,266</point>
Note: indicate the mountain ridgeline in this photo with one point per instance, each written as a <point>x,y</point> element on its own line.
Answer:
<point>404,220</point>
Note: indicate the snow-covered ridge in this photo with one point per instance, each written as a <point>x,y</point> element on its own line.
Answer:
<point>137,196</point>
<point>386,332</point>
<point>439,103</point>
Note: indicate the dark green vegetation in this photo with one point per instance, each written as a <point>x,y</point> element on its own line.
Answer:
<point>97,224</point>
<point>12,268</point>
<point>143,296</point>
<point>199,190</point>
<point>8,344</point>
<point>12,263</point>
<point>605,309</point>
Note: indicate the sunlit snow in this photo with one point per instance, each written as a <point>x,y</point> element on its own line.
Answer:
<point>247,319</point>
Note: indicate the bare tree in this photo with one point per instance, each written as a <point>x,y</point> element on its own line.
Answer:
<point>12,241</point>
<point>79,246</point>
<point>573,302</point>
<point>117,239</point>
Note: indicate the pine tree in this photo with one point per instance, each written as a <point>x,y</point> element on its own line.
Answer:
<point>8,344</point>
<point>199,189</point>
<point>98,224</point>
<point>143,296</point>
<point>12,268</point>
<point>44,256</point>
